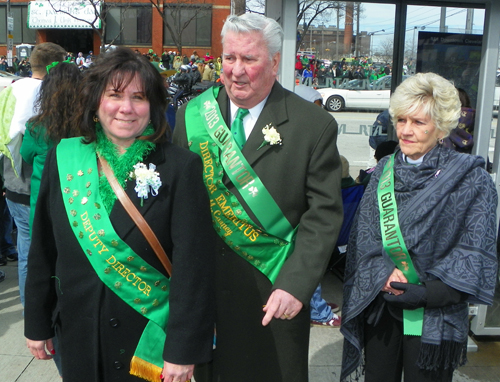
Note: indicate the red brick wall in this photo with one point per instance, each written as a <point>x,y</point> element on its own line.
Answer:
<point>220,11</point>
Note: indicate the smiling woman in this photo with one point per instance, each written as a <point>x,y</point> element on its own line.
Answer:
<point>114,299</point>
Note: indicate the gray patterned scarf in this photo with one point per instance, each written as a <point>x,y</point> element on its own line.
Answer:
<point>447,213</point>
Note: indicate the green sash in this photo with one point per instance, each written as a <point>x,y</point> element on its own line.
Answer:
<point>394,244</point>
<point>137,283</point>
<point>266,247</point>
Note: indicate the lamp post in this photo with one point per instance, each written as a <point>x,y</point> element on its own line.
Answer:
<point>371,38</point>
<point>10,37</point>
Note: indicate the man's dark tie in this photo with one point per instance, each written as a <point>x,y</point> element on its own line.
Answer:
<point>237,127</point>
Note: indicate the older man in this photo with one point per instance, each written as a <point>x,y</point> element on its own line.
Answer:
<point>274,184</point>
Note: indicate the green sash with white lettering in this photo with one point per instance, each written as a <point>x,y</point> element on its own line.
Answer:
<point>137,283</point>
<point>266,247</point>
<point>394,243</point>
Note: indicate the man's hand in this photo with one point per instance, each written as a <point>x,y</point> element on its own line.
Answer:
<point>177,373</point>
<point>282,305</point>
<point>39,348</point>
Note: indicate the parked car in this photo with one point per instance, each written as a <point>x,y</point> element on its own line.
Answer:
<point>6,79</point>
<point>358,94</point>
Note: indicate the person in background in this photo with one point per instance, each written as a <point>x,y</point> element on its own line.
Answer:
<point>19,100</point>
<point>8,251</point>
<point>165,60</point>
<point>25,68</point>
<point>56,103</point>
<point>80,60</point>
<point>218,68</point>
<point>283,149</point>
<point>322,313</point>
<point>307,76</point>
<point>422,246</point>
<point>209,73</point>
<point>461,138</point>
<point>3,63</point>
<point>383,149</point>
<point>93,277</point>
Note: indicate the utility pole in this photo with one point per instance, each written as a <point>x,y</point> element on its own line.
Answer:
<point>10,37</point>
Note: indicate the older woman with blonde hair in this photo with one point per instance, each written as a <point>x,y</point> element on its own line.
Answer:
<point>422,246</point>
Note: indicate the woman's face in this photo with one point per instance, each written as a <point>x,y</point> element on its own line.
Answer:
<point>124,113</point>
<point>417,134</point>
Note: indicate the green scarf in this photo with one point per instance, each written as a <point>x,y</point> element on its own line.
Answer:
<point>121,164</point>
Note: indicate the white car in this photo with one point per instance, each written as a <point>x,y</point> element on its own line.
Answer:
<point>6,79</point>
<point>358,94</point>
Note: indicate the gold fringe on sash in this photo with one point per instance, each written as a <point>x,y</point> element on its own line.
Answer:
<point>145,370</point>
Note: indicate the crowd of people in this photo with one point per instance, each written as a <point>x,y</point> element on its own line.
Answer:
<point>146,255</point>
<point>325,73</point>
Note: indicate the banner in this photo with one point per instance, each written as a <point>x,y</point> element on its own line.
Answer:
<point>68,14</point>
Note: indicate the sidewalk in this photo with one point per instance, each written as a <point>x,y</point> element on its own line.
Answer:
<point>325,350</point>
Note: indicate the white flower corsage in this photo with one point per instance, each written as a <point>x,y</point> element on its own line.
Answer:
<point>145,179</point>
<point>271,136</point>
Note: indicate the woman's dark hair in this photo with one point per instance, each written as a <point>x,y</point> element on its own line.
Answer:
<point>120,67</point>
<point>56,104</point>
<point>464,98</point>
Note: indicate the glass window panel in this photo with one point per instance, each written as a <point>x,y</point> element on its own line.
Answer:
<point>189,32</point>
<point>29,35</point>
<point>167,37</point>
<point>129,23</point>
<point>144,25</point>
<point>18,26</point>
<point>3,21</point>
<point>112,24</point>
<point>204,28</point>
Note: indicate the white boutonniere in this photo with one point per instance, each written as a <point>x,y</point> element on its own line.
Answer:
<point>146,179</point>
<point>271,136</point>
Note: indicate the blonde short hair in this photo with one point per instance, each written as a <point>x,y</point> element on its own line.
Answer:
<point>433,94</point>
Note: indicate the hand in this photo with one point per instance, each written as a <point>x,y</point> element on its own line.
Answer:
<point>38,348</point>
<point>282,305</point>
<point>396,276</point>
<point>177,373</point>
<point>414,296</point>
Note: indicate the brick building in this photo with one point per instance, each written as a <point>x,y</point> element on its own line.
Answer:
<point>133,23</point>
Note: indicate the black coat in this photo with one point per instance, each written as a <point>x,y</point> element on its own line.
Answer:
<point>303,176</point>
<point>97,331</point>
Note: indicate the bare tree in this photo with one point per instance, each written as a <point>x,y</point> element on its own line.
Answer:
<point>72,9</point>
<point>177,15</point>
<point>309,12</point>
<point>386,50</point>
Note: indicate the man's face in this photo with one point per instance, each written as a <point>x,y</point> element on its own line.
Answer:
<point>249,74</point>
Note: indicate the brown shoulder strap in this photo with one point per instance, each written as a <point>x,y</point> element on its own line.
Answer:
<point>136,216</point>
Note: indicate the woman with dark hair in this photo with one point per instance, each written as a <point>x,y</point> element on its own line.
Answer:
<point>56,104</point>
<point>94,278</point>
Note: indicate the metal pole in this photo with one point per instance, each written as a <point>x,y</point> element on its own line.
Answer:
<point>337,41</point>
<point>442,22</point>
<point>10,32</point>
<point>469,23</point>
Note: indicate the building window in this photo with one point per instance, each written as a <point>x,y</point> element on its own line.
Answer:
<point>198,31</point>
<point>129,25</point>
<point>22,34</point>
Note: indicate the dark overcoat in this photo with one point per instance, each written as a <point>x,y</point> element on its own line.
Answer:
<point>97,331</point>
<point>303,176</point>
